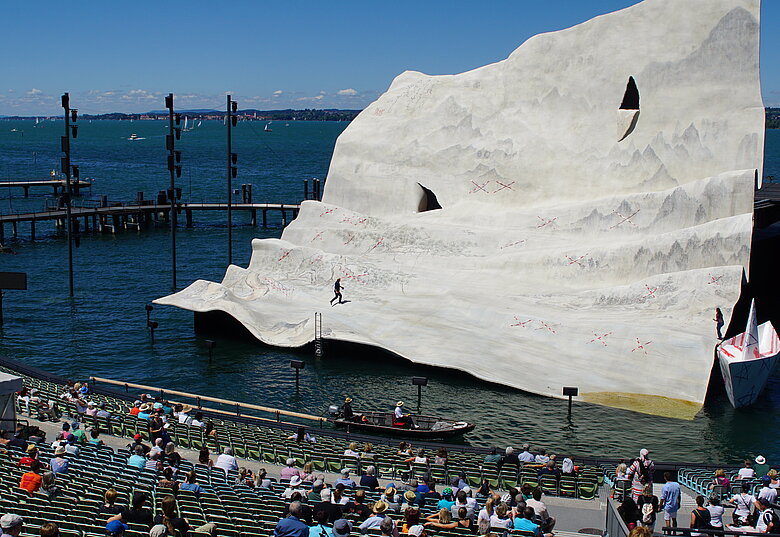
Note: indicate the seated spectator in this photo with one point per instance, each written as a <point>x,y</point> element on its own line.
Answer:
<point>332,510</point>
<point>293,487</point>
<point>621,472</point>
<point>747,472</point>
<point>182,414</point>
<point>549,469</point>
<point>765,523</point>
<point>773,476</point>
<point>71,446</point>
<point>510,457</point>
<point>49,485</point>
<point>464,521</point>
<point>47,410</point>
<point>767,492</point>
<point>11,524</point>
<point>411,519</point>
<point>137,459</point>
<point>153,462</point>
<point>547,522</point>
<point>292,525</point>
<point>418,531</point>
<point>191,483</point>
<point>109,506</point>
<point>410,501</point>
<point>567,466</point>
<point>492,457</point>
<point>158,530</point>
<point>157,447</point>
<point>358,506</point>
<point>524,522</point>
<point>342,528</point>
<point>462,500</point>
<point>94,439</point>
<point>197,420</point>
<point>387,528</point>
<point>390,497</point>
<point>167,481</point>
<point>78,432</point>
<point>338,497</point>
<point>102,412</point>
<point>446,501</point>
<point>91,408</point>
<point>170,456</point>
<point>135,409</point>
<point>226,461</point>
<point>17,442</point>
<point>290,470</point>
<point>404,449</point>
<point>177,525</point>
<point>49,529</point>
<point>419,458</point>
<point>500,518</point>
<point>261,481</point>
<point>525,455</point>
<point>345,480</point>
<point>351,450</point>
<point>376,518</point>
<point>441,520</point>
<point>204,457</point>
<point>31,481</point>
<point>137,514</point>
<point>302,436</point>
<point>441,456</point>
<point>315,494</point>
<point>58,463</point>
<point>369,480</point>
<point>459,482</point>
<point>138,441</point>
<point>484,490</point>
<point>319,529</point>
<point>30,456</point>
<point>430,496</point>
<point>541,457</point>
<point>720,478</point>
<point>307,473</point>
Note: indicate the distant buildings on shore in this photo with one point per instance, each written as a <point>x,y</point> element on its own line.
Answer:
<point>205,115</point>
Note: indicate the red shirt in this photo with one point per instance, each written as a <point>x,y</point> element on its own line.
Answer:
<point>134,411</point>
<point>30,482</point>
<point>25,461</point>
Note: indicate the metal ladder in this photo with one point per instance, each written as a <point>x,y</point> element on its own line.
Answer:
<point>319,349</point>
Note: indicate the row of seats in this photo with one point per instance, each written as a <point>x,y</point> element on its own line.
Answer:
<point>700,479</point>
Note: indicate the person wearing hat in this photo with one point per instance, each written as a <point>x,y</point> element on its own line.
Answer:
<point>144,411</point>
<point>418,530</point>
<point>78,432</point>
<point>11,525</point>
<point>289,470</point>
<point>761,468</point>
<point>346,410</point>
<point>184,415</point>
<point>345,480</point>
<point>767,520</point>
<point>378,509</point>
<point>767,492</point>
<point>293,487</point>
<point>292,525</point>
<point>447,501</point>
<point>31,454</point>
<point>59,464</point>
<point>91,408</point>
<point>71,446</point>
<point>401,418</point>
<point>158,530</point>
<point>342,528</point>
<point>116,528</point>
<point>136,408</point>
<point>640,473</point>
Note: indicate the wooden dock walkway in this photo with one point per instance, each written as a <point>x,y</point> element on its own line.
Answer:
<point>55,184</point>
<point>113,218</point>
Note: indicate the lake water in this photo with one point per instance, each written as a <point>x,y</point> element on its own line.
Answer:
<point>102,331</point>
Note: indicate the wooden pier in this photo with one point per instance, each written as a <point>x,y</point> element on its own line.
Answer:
<point>114,218</point>
<point>56,184</point>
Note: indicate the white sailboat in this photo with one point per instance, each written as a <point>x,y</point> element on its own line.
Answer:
<point>747,360</point>
<point>267,128</point>
<point>186,121</point>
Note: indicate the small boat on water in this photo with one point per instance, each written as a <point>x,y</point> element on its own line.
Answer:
<point>134,137</point>
<point>267,128</point>
<point>747,360</point>
<point>428,427</point>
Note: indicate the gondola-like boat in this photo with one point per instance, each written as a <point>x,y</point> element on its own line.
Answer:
<point>427,427</point>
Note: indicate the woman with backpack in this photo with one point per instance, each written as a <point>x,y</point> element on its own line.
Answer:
<point>648,507</point>
<point>640,473</point>
<point>700,518</point>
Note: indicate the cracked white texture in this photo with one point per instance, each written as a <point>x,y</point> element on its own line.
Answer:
<point>561,256</point>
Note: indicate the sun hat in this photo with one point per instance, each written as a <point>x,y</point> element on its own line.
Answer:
<point>466,489</point>
<point>295,480</point>
<point>760,460</point>
<point>410,496</point>
<point>31,448</point>
<point>145,407</point>
<point>399,403</point>
<point>342,528</point>
<point>290,461</point>
<point>379,507</point>
<point>158,531</point>
<point>186,409</point>
<point>348,400</point>
<point>115,527</point>
<point>345,472</point>
<point>60,451</point>
<point>10,521</point>
<point>416,530</point>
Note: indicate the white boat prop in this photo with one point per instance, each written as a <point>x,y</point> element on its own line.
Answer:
<point>747,360</point>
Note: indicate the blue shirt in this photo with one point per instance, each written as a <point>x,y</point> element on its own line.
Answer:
<point>59,465</point>
<point>526,525</point>
<point>444,504</point>
<point>347,482</point>
<point>291,527</point>
<point>137,461</point>
<point>194,487</point>
<point>318,529</point>
<point>143,416</point>
<point>670,495</point>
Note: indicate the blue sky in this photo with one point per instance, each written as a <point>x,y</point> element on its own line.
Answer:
<point>124,56</point>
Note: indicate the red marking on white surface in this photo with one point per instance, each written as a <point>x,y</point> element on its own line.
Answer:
<point>625,219</point>
<point>650,292</point>
<point>573,261</point>
<point>547,326</point>
<point>478,187</point>
<point>714,280</point>
<point>285,254</point>
<point>355,277</point>
<point>516,243</point>
<point>350,239</point>
<point>380,241</point>
<point>317,236</point>
<point>520,323</point>
<point>600,338</point>
<point>349,220</point>
<point>544,222</point>
<point>328,211</point>
<point>315,260</point>
<point>641,346</point>
<point>504,186</point>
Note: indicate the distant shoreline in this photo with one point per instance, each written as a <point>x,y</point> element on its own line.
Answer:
<point>205,115</point>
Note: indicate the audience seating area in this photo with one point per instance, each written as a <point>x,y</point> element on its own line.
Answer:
<point>700,479</point>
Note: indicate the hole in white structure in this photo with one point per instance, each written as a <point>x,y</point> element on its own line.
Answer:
<point>631,96</point>
<point>428,201</point>
<point>628,113</point>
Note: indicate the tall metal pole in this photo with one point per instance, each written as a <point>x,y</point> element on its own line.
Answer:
<point>172,191</point>
<point>229,182</point>
<point>66,169</point>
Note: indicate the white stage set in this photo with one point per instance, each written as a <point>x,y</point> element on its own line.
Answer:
<point>596,196</point>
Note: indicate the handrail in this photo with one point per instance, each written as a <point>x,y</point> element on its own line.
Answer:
<point>710,531</point>
<point>299,415</point>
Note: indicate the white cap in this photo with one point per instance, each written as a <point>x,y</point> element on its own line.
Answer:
<point>416,530</point>
<point>10,521</point>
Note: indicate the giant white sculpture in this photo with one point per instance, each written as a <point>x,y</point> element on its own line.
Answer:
<point>584,238</point>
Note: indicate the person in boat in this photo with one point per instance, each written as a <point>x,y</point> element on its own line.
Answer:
<point>347,413</point>
<point>401,418</point>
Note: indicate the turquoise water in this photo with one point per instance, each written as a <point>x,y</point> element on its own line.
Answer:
<point>102,331</point>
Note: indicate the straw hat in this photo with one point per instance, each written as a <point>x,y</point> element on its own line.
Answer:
<point>60,451</point>
<point>399,403</point>
<point>295,480</point>
<point>186,409</point>
<point>31,448</point>
<point>760,460</point>
<point>145,407</point>
<point>348,400</point>
<point>410,496</point>
<point>379,507</point>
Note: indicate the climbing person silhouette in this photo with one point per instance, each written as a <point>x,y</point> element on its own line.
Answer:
<point>719,322</point>
<point>337,289</point>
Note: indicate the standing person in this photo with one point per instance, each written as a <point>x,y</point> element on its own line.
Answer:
<point>742,502</point>
<point>766,522</point>
<point>700,517</point>
<point>337,287</point>
<point>716,511</point>
<point>648,507</point>
<point>719,322</point>
<point>670,500</point>
<point>640,473</point>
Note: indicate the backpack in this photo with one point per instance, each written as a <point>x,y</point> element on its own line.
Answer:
<point>644,474</point>
<point>647,513</point>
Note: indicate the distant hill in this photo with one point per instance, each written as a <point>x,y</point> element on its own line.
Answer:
<point>329,114</point>
<point>773,118</point>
